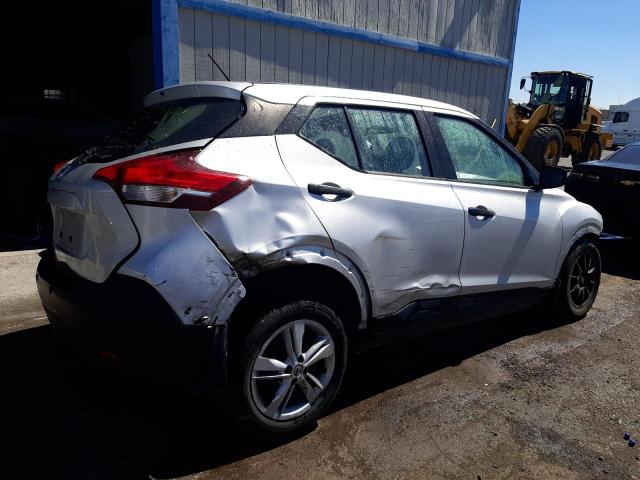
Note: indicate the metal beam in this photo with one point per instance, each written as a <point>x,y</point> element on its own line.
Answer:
<point>164,15</point>
<point>507,87</point>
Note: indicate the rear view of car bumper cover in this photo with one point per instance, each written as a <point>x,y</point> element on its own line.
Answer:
<point>183,265</point>
<point>127,319</point>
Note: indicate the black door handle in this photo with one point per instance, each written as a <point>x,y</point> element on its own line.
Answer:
<point>481,211</point>
<point>329,189</point>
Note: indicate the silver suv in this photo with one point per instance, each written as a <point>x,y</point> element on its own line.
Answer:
<point>252,236</point>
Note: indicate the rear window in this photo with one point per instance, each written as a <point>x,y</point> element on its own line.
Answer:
<point>629,154</point>
<point>328,129</point>
<point>169,124</point>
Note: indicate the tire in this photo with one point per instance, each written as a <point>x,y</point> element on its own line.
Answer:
<point>591,148</point>
<point>544,147</point>
<point>570,303</point>
<point>293,402</point>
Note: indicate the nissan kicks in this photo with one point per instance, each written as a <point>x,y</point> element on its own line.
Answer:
<point>250,237</point>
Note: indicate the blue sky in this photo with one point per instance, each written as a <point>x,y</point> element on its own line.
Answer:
<point>601,38</point>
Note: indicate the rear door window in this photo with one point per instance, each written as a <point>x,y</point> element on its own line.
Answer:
<point>169,124</point>
<point>389,141</point>
<point>327,128</point>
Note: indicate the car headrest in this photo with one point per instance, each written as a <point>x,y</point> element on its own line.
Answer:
<point>400,155</point>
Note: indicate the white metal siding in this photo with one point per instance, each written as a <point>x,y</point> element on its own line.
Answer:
<point>481,26</point>
<point>256,51</point>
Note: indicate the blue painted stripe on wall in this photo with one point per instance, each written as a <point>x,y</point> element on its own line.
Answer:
<point>507,88</point>
<point>166,66</point>
<point>318,26</point>
<point>157,43</point>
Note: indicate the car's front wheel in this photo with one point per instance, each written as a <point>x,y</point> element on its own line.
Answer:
<point>579,280</point>
<point>291,367</point>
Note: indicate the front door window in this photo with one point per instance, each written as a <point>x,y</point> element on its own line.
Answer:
<point>477,157</point>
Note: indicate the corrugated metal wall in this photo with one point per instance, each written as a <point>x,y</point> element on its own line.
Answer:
<point>482,26</point>
<point>257,51</point>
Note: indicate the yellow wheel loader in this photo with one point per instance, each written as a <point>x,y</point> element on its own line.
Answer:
<point>557,121</point>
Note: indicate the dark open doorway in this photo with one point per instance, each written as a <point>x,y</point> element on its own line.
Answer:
<point>72,70</point>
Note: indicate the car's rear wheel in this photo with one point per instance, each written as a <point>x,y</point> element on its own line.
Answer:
<point>579,280</point>
<point>291,366</point>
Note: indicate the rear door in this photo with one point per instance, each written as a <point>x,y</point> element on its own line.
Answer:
<point>513,233</point>
<point>366,173</point>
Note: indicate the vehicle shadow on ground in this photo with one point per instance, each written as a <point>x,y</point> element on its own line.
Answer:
<point>64,421</point>
<point>60,420</point>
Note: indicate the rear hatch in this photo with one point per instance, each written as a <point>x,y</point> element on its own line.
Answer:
<point>93,231</point>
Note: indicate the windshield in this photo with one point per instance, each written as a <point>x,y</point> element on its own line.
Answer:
<point>549,89</point>
<point>169,124</point>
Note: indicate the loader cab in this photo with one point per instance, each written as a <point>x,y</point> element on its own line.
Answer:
<point>569,94</point>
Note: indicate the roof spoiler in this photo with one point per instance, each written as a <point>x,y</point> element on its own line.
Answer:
<point>231,90</point>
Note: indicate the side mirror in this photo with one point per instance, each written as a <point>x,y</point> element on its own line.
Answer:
<point>551,177</point>
<point>522,83</point>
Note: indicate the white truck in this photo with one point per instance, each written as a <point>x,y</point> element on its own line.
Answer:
<point>625,124</point>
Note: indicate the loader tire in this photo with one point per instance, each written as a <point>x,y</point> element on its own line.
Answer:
<point>591,148</point>
<point>544,147</point>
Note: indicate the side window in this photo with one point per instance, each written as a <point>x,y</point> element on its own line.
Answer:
<point>477,157</point>
<point>327,128</point>
<point>621,117</point>
<point>389,141</point>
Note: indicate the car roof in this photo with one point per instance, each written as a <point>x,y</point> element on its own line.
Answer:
<point>289,93</point>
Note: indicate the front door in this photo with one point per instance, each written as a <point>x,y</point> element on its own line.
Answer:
<point>513,234</point>
<point>365,172</point>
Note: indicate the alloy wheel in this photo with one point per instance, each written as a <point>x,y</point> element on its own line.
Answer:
<point>292,369</point>
<point>583,279</point>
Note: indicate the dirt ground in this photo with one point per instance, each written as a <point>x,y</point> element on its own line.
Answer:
<point>514,397</point>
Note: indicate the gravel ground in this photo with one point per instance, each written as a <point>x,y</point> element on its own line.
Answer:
<point>514,397</point>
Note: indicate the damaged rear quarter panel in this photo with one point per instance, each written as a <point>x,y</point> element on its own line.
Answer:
<point>270,224</point>
<point>178,260</point>
<point>268,217</point>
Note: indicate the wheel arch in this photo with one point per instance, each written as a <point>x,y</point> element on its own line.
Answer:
<point>588,232</point>
<point>311,273</point>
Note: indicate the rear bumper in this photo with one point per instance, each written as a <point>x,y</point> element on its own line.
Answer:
<point>127,317</point>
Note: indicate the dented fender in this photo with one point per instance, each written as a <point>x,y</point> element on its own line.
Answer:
<point>177,258</point>
<point>315,255</point>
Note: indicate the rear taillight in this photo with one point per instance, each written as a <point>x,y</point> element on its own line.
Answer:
<point>172,180</point>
